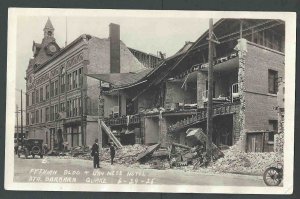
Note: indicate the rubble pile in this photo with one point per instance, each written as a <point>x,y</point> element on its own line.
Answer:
<point>158,163</point>
<point>236,161</point>
<point>125,155</point>
<point>80,151</point>
<point>153,110</point>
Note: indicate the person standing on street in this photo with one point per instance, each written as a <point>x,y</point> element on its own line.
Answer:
<point>95,154</point>
<point>112,152</point>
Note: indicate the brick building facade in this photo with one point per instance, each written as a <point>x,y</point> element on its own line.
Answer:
<point>61,101</point>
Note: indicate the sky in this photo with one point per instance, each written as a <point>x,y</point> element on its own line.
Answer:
<point>148,34</point>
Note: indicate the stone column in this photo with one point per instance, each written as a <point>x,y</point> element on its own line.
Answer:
<point>163,131</point>
<point>279,137</point>
<point>242,52</point>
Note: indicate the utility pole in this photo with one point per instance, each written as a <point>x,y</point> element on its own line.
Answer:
<point>210,92</point>
<point>17,115</point>
<point>21,117</point>
<point>241,29</point>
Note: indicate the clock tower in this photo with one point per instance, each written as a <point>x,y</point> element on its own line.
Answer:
<point>47,48</point>
<point>48,29</point>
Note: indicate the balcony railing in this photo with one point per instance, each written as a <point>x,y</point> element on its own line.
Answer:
<point>201,115</point>
<point>130,119</point>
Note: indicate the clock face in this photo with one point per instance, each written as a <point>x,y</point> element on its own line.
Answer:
<point>52,48</point>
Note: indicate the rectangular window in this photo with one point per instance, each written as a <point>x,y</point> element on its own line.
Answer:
<point>75,79</point>
<point>56,111</point>
<point>32,117</point>
<point>75,104</point>
<point>41,115</point>
<point>47,92</point>
<point>56,87</point>
<point>79,106</point>
<point>37,117</point>
<point>69,82</point>
<point>273,79</point>
<point>51,89</point>
<point>27,118</point>
<point>71,108</point>
<point>37,95</point>
<point>41,94</point>
<point>62,83</point>
<point>27,99</point>
<point>51,113</point>
<point>273,127</point>
<point>80,80</point>
<point>32,98</point>
<point>62,107</point>
<point>67,109</point>
<point>47,114</point>
<point>271,137</point>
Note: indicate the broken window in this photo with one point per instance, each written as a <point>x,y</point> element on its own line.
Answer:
<point>273,85</point>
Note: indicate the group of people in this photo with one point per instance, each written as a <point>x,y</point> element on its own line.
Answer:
<point>95,153</point>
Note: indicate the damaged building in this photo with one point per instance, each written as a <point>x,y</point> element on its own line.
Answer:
<point>61,101</point>
<point>159,104</point>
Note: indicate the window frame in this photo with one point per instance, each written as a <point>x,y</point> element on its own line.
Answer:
<point>272,81</point>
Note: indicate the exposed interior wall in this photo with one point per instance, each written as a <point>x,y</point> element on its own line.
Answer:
<point>109,102</point>
<point>224,81</point>
<point>259,102</point>
<point>151,130</point>
<point>201,86</point>
<point>148,99</point>
<point>175,94</point>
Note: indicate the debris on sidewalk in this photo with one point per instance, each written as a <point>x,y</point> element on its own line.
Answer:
<point>141,157</point>
<point>125,155</point>
<point>235,161</point>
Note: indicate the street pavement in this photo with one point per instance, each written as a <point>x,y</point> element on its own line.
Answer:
<point>61,170</point>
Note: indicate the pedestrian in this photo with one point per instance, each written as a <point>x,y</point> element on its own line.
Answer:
<point>112,152</point>
<point>95,154</point>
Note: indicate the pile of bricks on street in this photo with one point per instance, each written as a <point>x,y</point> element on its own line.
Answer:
<point>239,162</point>
<point>180,157</point>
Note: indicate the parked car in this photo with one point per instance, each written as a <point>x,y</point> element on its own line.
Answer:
<point>31,147</point>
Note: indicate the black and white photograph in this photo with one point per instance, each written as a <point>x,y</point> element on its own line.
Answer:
<point>150,101</point>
